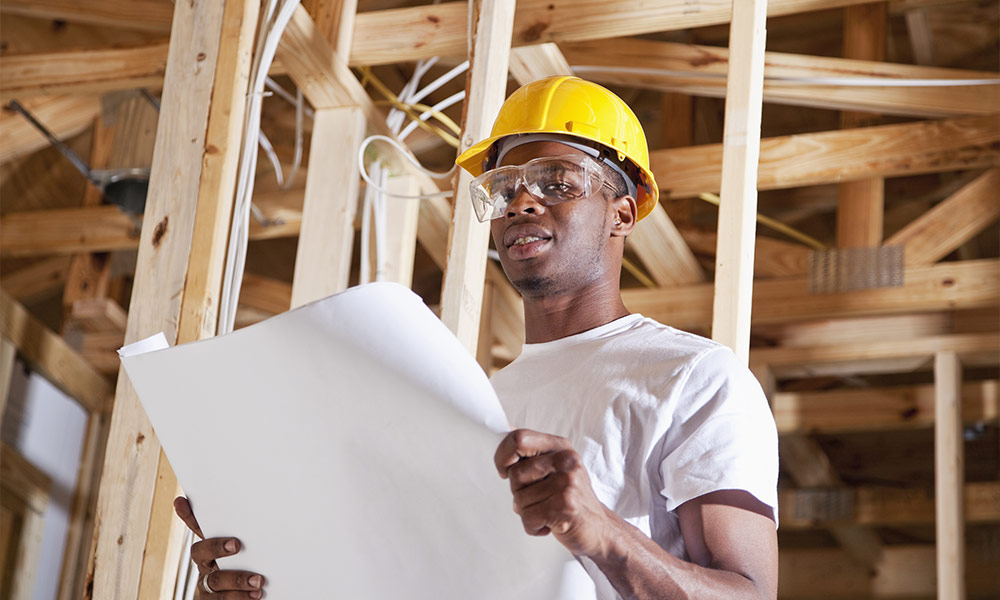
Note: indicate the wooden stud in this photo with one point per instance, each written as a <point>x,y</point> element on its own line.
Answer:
<point>323,261</point>
<point>952,222</point>
<point>335,21</point>
<point>949,474</point>
<point>738,208</point>
<point>948,286</point>
<point>401,230</point>
<point>468,239</point>
<point>862,203</point>
<point>205,35</point>
<point>8,358</point>
<point>25,486</point>
<point>529,63</point>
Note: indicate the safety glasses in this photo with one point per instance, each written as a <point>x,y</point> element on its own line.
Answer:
<point>550,180</point>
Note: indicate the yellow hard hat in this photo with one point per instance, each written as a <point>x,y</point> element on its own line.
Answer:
<point>573,107</point>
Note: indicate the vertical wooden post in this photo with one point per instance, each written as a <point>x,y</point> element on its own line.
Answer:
<point>468,239</point>
<point>860,205</point>
<point>741,149</point>
<point>402,216</point>
<point>8,353</point>
<point>949,476</point>
<point>198,139</point>
<point>326,240</point>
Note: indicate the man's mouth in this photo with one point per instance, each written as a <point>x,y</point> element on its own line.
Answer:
<point>521,241</point>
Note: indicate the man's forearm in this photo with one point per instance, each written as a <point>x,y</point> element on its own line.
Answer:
<point>640,569</point>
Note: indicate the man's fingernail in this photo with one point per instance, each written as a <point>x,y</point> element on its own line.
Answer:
<point>255,594</point>
<point>230,546</point>
<point>255,581</point>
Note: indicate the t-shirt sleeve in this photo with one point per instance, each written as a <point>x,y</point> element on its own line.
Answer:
<point>722,435</point>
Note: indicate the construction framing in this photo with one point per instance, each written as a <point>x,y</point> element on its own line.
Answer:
<point>939,326</point>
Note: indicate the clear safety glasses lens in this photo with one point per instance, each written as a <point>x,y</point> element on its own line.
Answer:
<point>550,180</point>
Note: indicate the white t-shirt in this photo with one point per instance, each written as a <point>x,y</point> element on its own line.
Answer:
<point>658,415</point>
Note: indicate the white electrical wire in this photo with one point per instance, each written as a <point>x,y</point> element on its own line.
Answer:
<point>403,151</point>
<point>450,100</point>
<point>272,157</point>
<point>838,81</point>
<point>297,159</point>
<point>276,15</point>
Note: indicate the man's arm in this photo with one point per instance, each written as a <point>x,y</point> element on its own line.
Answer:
<point>729,534</point>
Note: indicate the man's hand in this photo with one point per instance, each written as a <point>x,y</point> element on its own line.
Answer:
<point>212,582</point>
<point>552,491</point>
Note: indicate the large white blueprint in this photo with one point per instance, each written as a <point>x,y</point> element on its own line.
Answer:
<point>348,444</point>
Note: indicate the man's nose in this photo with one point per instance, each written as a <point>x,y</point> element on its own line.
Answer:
<point>524,202</point>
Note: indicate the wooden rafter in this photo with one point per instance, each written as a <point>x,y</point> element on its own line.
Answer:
<point>64,116</point>
<point>701,70</point>
<point>831,156</point>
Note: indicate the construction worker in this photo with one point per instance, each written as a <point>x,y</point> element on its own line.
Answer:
<point>649,453</point>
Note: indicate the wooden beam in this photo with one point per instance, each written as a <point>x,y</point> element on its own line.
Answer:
<point>37,279</point>
<point>145,15</point>
<point>440,30</point>
<point>266,294</point>
<point>49,354</point>
<point>209,45</point>
<point>947,286</point>
<point>843,155</point>
<point>880,506</point>
<point>861,203</point>
<point>8,358</point>
<point>468,239</point>
<point>323,261</point>
<point>771,257</point>
<point>83,71</point>
<point>23,484</point>
<point>877,356</point>
<point>949,475</point>
<point>64,116</point>
<point>952,222</point>
<point>335,21</point>
<point>903,572</point>
<point>529,63</point>
<point>98,315</point>
<point>877,409</point>
<point>738,206</point>
<point>810,467</point>
<point>701,71</point>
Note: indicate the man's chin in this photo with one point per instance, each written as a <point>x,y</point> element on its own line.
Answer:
<point>534,285</point>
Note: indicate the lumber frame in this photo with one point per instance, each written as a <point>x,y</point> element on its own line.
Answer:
<point>952,222</point>
<point>861,203</point>
<point>949,475</point>
<point>26,487</point>
<point>64,116</point>
<point>881,506</point>
<point>738,206</point>
<point>878,409</point>
<point>323,261</point>
<point>468,239</point>
<point>146,15</point>
<point>701,71</point>
<point>952,285</point>
<point>842,155</point>
<point>38,279</point>
<point>198,108</point>
<point>48,353</point>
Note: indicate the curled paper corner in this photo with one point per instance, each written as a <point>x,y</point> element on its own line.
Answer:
<point>150,344</point>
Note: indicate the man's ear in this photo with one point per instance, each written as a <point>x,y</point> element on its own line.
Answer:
<point>624,213</point>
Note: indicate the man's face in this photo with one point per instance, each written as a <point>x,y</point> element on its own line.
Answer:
<point>555,249</point>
